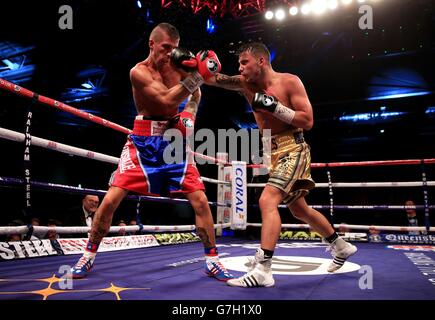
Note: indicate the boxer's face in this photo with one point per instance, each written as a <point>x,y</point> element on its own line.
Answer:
<point>162,48</point>
<point>249,67</point>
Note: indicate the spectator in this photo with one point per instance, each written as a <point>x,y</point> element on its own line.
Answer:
<point>411,214</point>
<point>83,215</point>
<point>35,222</point>
<point>52,234</point>
<point>132,222</point>
<point>122,232</point>
<point>373,231</point>
<point>14,236</point>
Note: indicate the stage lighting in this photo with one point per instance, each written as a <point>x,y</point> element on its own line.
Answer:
<point>269,15</point>
<point>332,4</point>
<point>318,6</point>
<point>306,8</point>
<point>293,10</point>
<point>210,26</point>
<point>279,14</point>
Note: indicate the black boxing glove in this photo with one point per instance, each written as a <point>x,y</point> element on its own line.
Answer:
<point>184,59</point>
<point>263,101</point>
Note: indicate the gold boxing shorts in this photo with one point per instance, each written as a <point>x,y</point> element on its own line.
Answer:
<point>290,165</point>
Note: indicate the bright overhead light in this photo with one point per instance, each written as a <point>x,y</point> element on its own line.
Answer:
<point>318,6</point>
<point>332,4</point>
<point>269,15</point>
<point>279,14</point>
<point>306,8</point>
<point>293,10</point>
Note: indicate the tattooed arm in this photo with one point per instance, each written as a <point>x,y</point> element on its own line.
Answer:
<point>236,83</point>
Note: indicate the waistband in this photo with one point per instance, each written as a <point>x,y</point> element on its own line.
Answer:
<point>287,137</point>
<point>148,127</point>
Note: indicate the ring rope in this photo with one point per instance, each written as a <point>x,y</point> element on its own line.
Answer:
<point>352,226</point>
<point>23,92</point>
<point>48,144</point>
<point>7,181</point>
<point>60,147</point>
<point>59,187</point>
<point>18,90</point>
<point>64,148</point>
<point>150,228</point>
<point>143,228</point>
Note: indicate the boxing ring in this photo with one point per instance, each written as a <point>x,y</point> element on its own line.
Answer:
<point>166,262</point>
<point>176,273</point>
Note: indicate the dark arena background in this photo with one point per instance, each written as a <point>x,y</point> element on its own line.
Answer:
<point>369,70</point>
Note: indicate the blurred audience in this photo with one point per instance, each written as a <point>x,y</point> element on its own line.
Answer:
<point>411,214</point>
<point>121,232</point>
<point>52,234</point>
<point>15,236</point>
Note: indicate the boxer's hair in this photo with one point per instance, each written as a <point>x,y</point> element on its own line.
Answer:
<point>255,48</point>
<point>168,28</point>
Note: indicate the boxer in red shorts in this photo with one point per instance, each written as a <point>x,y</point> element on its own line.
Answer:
<point>160,83</point>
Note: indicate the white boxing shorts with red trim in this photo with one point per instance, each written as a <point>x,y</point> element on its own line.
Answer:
<point>142,168</point>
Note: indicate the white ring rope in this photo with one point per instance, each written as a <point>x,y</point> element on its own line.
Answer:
<point>64,148</point>
<point>148,228</point>
<point>143,228</point>
<point>48,144</point>
<point>215,181</point>
<point>352,226</point>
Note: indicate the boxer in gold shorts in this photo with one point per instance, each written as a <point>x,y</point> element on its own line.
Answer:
<point>281,105</point>
<point>290,165</point>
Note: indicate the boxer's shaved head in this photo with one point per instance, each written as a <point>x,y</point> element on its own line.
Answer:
<point>167,28</point>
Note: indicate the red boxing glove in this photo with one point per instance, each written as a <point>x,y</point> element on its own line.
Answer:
<point>183,121</point>
<point>208,64</point>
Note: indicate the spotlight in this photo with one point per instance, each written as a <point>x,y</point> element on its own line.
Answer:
<point>332,4</point>
<point>269,15</point>
<point>346,1</point>
<point>318,6</point>
<point>139,4</point>
<point>306,8</point>
<point>293,10</point>
<point>279,14</point>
